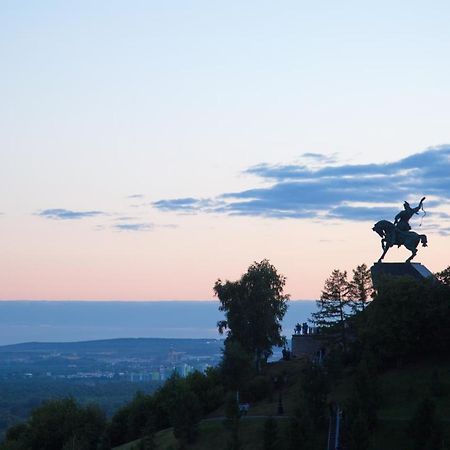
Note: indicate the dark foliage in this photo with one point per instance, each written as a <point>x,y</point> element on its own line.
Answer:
<point>444,276</point>
<point>407,319</point>
<point>254,307</point>
<point>237,365</point>
<point>425,429</point>
<point>232,422</point>
<point>270,436</point>
<point>360,289</point>
<point>56,425</point>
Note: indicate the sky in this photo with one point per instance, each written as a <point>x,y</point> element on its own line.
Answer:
<point>149,148</point>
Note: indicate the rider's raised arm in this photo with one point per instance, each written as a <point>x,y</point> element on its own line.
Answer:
<point>419,206</point>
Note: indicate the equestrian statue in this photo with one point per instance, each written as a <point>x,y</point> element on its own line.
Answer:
<point>398,233</point>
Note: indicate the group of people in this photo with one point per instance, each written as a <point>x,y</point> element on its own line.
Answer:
<point>305,329</point>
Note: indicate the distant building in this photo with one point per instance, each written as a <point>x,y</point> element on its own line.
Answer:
<point>155,376</point>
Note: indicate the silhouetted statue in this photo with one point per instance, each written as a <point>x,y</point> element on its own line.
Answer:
<point>401,220</point>
<point>398,233</point>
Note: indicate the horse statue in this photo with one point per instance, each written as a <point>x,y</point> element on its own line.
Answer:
<point>392,235</point>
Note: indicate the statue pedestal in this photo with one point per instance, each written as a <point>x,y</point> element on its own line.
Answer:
<point>413,270</point>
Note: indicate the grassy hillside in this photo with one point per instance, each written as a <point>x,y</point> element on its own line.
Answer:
<point>401,390</point>
<point>213,435</point>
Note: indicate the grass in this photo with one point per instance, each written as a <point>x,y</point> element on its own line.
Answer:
<point>214,435</point>
<point>400,391</point>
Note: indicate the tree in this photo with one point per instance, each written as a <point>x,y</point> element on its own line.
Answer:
<point>59,424</point>
<point>332,304</point>
<point>254,307</point>
<point>232,422</point>
<point>407,319</point>
<point>183,408</point>
<point>236,366</point>
<point>360,289</point>
<point>444,276</point>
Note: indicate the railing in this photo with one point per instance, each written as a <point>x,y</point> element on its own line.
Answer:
<point>334,428</point>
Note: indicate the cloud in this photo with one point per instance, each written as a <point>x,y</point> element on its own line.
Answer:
<point>357,192</point>
<point>135,196</point>
<point>319,157</point>
<point>67,214</point>
<point>134,226</point>
<point>187,205</point>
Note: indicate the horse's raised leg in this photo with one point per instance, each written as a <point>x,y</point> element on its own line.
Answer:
<point>424,240</point>
<point>414,253</point>
<point>386,248</point>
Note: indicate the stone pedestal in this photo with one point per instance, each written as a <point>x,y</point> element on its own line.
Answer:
<point>306,345</point>
<point>413,270</point>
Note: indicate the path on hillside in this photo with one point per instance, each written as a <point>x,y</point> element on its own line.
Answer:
<point>215,419</point>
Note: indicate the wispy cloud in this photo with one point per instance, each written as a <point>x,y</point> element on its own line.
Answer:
<point>329,190</point>
<point>67,214</point>
<point>188,205</point>
<point>134,226</point>
<point>135,196</point>
<point>319,157</point>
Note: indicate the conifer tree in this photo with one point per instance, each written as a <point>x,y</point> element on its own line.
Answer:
<point>332,304</point>
<point>360,289</point>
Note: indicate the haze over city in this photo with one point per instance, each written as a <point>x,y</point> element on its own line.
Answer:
<point>149,148</point>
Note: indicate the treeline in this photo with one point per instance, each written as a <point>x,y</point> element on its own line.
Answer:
<point>65,424</point>
<point>406,320</point>
<point>254,306</point>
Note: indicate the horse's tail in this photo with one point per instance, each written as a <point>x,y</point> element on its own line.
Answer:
<point>424,240</point>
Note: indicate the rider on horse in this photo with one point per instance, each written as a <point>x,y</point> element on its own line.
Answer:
<point>399,233</point>
<point>401,220</point>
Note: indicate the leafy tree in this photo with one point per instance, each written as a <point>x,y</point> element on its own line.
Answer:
<point>59,424</point>
<point>407,318</point>
<point>232,422</point>
<point>207,387</point>
<point>236,365</point>
<point>183,408</point>
<point>361,409</point>
<point>254,307</point>
<point>315,388</point>
<point>360,289</point>
<point>332,304</point>
<point>444,276</point>
<point>130,421</point>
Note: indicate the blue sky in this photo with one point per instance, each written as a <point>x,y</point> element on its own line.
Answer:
<point>141,138</point>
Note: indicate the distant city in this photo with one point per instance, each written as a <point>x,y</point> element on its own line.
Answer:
<point>133,360</point>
